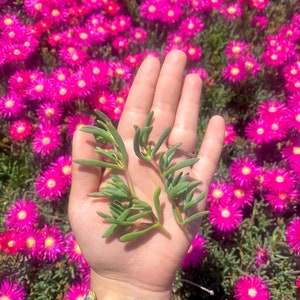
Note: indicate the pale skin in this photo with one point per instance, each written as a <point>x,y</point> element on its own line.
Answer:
<point>144,269</point>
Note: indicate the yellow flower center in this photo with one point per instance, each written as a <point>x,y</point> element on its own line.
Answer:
<point>66,170</point>
<point>46,141</point>
<point>22,215</point>
<point>49,242</point>
<point>231,10</point>
<point>38,6</point>
<point>83,35</point>
<point>151,9</point>
<point>246,170</point>
<point>239,193</point>
<point>39,88</point>
<point>9,103</point>
<point>252,292</point>
<point>49,112</point>
<point>217,193</point>
<point>30,242</point>
<point>236,49</point>
<point>235,71</point>
<point>20,129</point>
<point>51,183</point>
<point>225,213</point>
<point>55,12</point>
<point>260,131</point>
<point>81,83</point>
<point>279,179</point>
<point>62,91</point>
<point>61,77</point>
<point>296,150</point>
<point>8,21</point>
<point>77,249</point>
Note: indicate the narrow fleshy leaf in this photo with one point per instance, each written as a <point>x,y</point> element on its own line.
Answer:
<point>97,163</point>
<point>183,164</point>
<point>98,132</point>
<point>138,216</point>
<point>194,217</point>
<point>128,237</point>
<point>160,141</point>
<point>102,116</point>
<point>157,204</point>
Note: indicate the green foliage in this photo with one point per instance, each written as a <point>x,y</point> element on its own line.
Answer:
<point>126,210</point>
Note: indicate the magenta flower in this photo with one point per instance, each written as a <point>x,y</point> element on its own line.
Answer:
<point>279,180</point>
<point>76,122</point>
<point>50,113</point>
<point>235,72</point>
<point>230,134</point>
<point>259,4</point>
<point>46,139</point>
<point>242,196</point>
<point>251,288</point>
<point>104,101</point>
<point>259,22</point>
<point>231,11</point>
<point>138,35</point>
<point>77,291</point>
<point>190,26</point>
<point>195,254</point>
<point>11,105</point>
<point>219,192</point>
<point>257,131</point>
<point>293,235</point>
<point>12,291</point>
<point>63,166</point>
<point>11,242</point>
<point>38,89</point>
<point>235,49</point>
<point>151,10</point>
<point>82,83</point>
<point>244,172</point>
<point>20,130</point>
<point>225,217</point>
<point>53,244</point>
<point>33,239</point>
<point>262,256</point>
<point>73,250</point>
<point>280,201</point>
<point>49,185</point>
<point>72,56</point>
<point>22,215</point>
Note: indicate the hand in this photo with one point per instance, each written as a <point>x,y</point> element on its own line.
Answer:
<point>145,268</point>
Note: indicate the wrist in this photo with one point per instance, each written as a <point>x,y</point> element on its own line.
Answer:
<point>113,289</point>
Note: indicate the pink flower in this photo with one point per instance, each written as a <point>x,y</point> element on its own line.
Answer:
<point>77,291</point>
<point>258,131</point>
<point>38,89</point>
<point>82,83</point>
<point>195,254</point>
<point>259,4</point>
<point>73,250</point>
<point>72,56</point>
<point>53,245</point>
<point>77,121</point>
<point>22,215</point>
<point>224,216</point>
<point>280,201</point>
<point>262,256</point>
<point>259,22</point>
<point>219,192</point>
<point>235,49</point>
<point>251,64</point>
<point>244,172</point>
<point>12,291</point>
<point>19,81</point>
<point>104,101</point>
<point>49,113</point>
<point>279,180</point>
<point>63,166</point>
<point>231,11</point>
<point>242,196</point>
<point>250,287</point>
<point>151,10</point>
<point>46,140</point>
<point>235,72</point>
<point>20,130</point>
<point>193,52</point>
<point>138,35</point>
<point>11,105</point>
<point>120,43</point>
<point>190,26</point>
<point>291,153</point>
<point>293,235</point>
<point>230,134</point>
<point>49,185</point>
<point>170,13</point>
<point>33,242</point>
<point>11,241</point>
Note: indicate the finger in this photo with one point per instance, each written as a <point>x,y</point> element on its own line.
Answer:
<point>185,129</point>
<point>85,179</point>
<point>210,151</point>
<point>140,97</point>
<point>168,91</point>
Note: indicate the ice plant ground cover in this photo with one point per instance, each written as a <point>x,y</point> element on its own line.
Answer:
<point>60,60</point>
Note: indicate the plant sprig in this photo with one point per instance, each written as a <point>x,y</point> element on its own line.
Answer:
<point>130,216</point>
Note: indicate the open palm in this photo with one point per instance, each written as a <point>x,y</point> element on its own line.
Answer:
<point>147,265</point>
